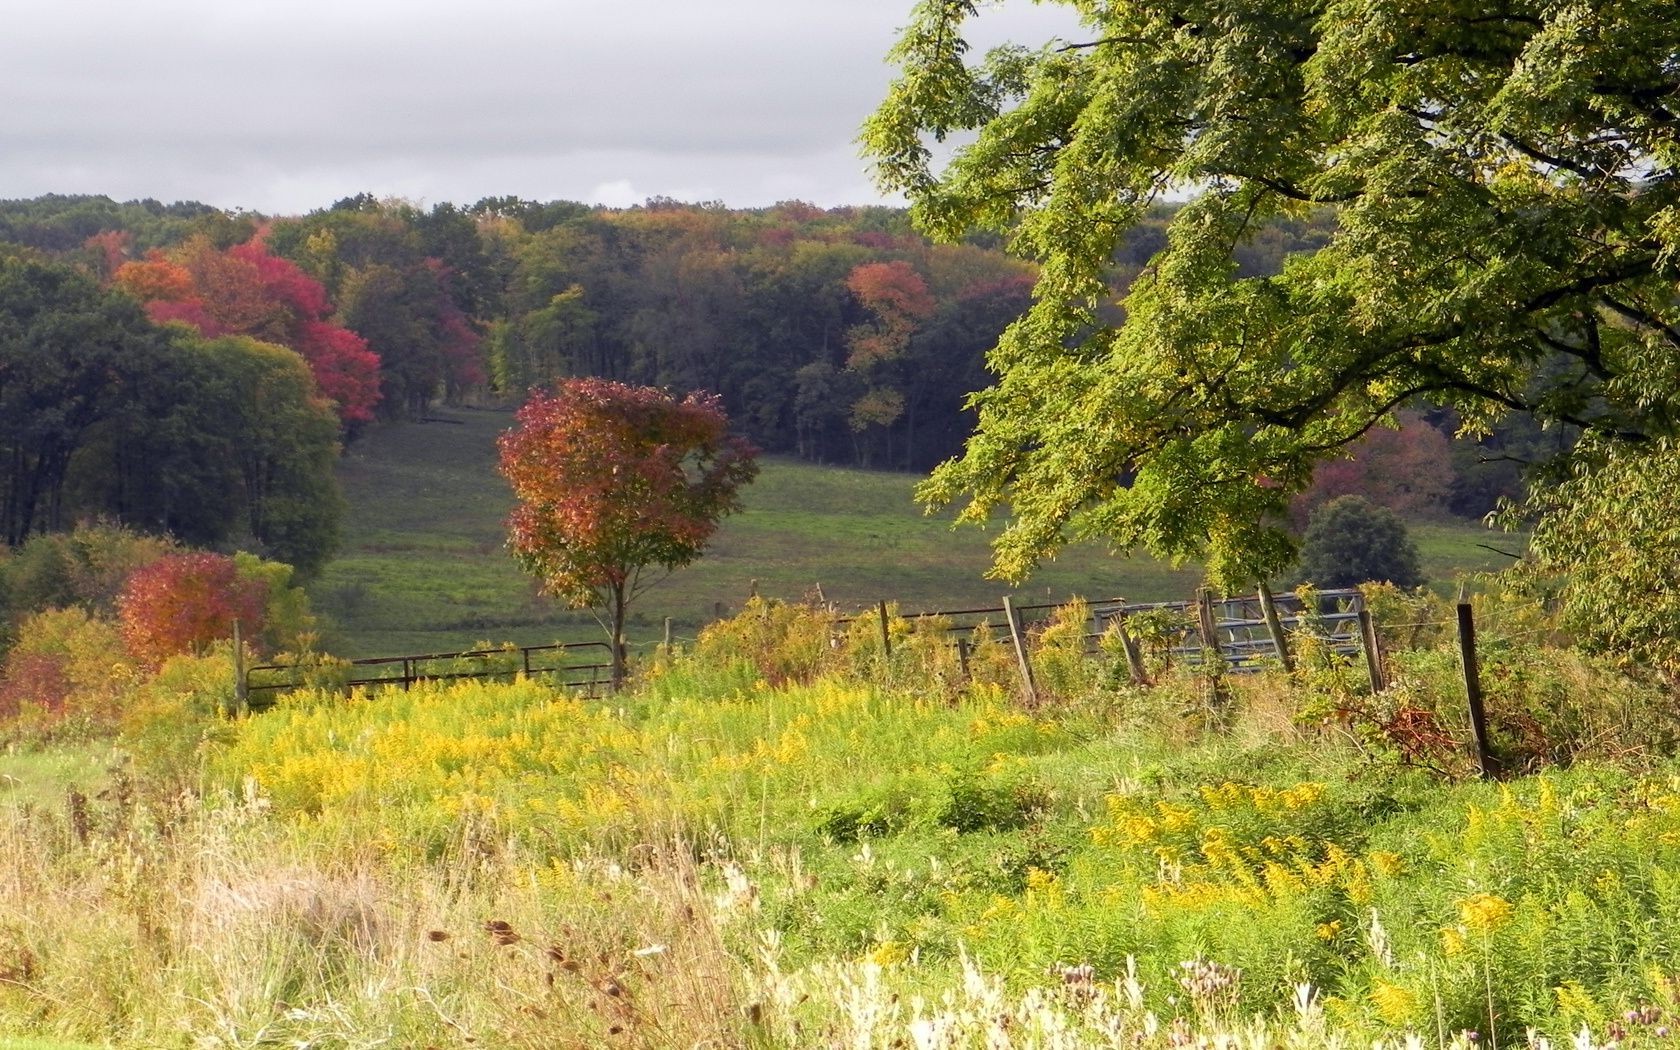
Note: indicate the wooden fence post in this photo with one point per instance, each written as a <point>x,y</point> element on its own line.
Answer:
<point>1274,627</point>
<point>667,636</point>
<point>1373,653</point>
<point>1213,657</point>
<point>241,690</point>
<point>1473,689</point>
<point>962,659</point>
<point>886,636</point>
<point>1015,635</point>
<point>1134,656</point>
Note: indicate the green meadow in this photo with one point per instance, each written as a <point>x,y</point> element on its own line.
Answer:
<point>422,566</point>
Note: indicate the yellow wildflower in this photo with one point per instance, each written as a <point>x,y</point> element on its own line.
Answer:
<point>1387,864</point>
<point>1484,912</point>
<point>1394,1004</point>
<point>1573,1000</point>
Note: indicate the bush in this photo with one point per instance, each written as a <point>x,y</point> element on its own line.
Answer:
<point>86,567</point>
<point>171,717</point>
<point>183,602</point>
<point>66,665</point>
<point>1350,541</point>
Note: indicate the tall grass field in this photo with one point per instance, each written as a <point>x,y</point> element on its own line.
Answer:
<point>785,835</point>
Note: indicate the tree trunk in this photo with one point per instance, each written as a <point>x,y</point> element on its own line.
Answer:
<point>618,649</point>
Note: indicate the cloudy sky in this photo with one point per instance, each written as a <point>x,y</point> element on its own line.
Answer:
<point>281,106</point>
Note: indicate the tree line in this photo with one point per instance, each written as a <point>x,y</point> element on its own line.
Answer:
<point>193,371</point>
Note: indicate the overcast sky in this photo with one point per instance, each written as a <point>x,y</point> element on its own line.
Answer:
<point>282,106</point>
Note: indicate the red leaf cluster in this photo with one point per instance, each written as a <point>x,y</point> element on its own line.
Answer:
<point>33,680</point>
<point>183,602</point>
<point>612,478</point>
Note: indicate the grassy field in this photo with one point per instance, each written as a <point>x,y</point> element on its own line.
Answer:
<point>774,844</point>
<point>423,567</point>
<point>41,777</point>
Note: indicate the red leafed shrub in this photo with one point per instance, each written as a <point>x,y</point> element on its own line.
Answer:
<point>64,664</point>
<point>183,602</point>
<point>33,680</point>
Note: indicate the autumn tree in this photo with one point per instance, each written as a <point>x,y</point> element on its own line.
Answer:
<point>1505,181</point>
<point>1407,468</point>
<point>618,485</point>
<point>898,301</point>
<point>246,290</point>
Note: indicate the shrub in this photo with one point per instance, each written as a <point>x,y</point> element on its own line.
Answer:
<point>171,716</point>
<point>66,664</point>
<point>287,621</point>
<point>182,602</point>
<point>86,567</point>
<point>1350,541</point>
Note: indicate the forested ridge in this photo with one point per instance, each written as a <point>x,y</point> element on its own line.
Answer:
<point>189,370</point>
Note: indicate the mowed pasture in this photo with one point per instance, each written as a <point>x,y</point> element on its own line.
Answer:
<point>423,568</point>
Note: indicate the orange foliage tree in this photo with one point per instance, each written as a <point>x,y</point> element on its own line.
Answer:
<point>183,602</point>
<point>613,480</point>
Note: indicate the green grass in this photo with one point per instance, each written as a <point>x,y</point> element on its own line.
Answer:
<point>423,567</point>
<point>42,777</point>
<point>18,1043</point>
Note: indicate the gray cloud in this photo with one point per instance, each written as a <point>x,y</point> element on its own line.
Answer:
<point>284,106</point>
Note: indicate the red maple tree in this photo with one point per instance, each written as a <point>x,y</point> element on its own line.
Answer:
<point>614,480</point>
<point>246,290</point>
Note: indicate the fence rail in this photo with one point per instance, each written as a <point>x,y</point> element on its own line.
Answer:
<point>555,662</point>
<point>1240,630</point>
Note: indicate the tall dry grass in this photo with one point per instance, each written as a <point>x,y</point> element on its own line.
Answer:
<point>215,926</point>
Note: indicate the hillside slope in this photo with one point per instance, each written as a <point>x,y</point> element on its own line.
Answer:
<point>422,567</point>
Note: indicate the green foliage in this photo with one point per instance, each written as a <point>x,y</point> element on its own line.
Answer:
<point>172,720</point>
<point>71,351</point>
<point>1350,541</point>
<point>1505,239</point>
<point>962,801</point>
<point>85,567</point>
<point>1606,545</point>
<point>287,622</point>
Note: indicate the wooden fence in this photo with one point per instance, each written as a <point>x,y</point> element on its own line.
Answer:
<point>585,667</point>
<point>1183,632</point>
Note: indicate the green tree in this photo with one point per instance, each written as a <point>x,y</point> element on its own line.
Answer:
<point>1609,544</point>
<point>68,351</point>
<point>1507,206</point>
<point>1351,540</point>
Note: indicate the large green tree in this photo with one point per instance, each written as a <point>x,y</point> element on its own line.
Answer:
<point>1504,180</point>
<point>68,352</point>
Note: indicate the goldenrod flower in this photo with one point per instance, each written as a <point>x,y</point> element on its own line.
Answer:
<point>1484,912</point>
<point>1394,1004</point>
